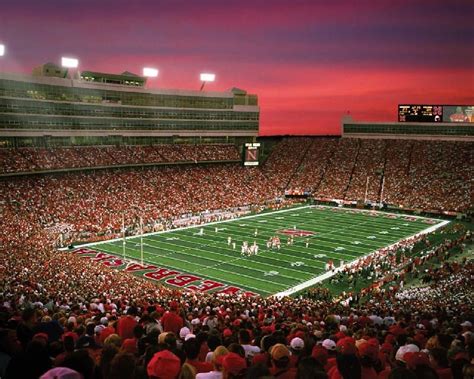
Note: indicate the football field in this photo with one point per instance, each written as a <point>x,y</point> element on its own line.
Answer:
<point>319,234</point>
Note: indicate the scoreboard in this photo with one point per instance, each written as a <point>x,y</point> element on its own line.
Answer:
<point>250,154</point>
<point>420,113</point>
<point>435,113</point>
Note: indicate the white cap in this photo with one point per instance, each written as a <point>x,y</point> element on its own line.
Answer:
<point>467,324</point>
<point>195,321</point>
<point>189,336</point>
<point>297,343</point>
<point>410,348</point>
<point>104,320</point>
<point>329,344</point>
<point>184,332</point>
<point>98,329</point>
<point>343,328</point>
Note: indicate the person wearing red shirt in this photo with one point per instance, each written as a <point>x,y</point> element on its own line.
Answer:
<point>126,324</point>
<point>171,321</point>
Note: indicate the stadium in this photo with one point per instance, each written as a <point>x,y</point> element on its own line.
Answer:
<point>158,233</point>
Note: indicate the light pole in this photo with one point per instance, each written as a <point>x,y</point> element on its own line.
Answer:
<point>68,63</point>
<point>150,72</point>
<point>206,77</point>
<point>2,50</point>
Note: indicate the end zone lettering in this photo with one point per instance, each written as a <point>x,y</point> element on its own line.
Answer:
<point>173,278</point>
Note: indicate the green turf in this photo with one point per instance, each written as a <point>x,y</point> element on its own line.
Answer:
<point>272,271</point>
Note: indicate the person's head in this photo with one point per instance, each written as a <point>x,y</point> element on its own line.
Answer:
<point>233,366</point>
<point>310,368</point>
<point>164,365</point>
<point>217,356</point>
<point>439,357</point>
<point>138,332</point>
<point>113,339</point>
<point>237,349</point>
<point>81,362</point>
<point>68,343</point>
<point>267,342</point>
<point>187,372</point>
<point>349,366</point>
<point>244,337</point>
<point>213,341</point>
<point>468,371</point>
<point>108,353</point>
<point>191,348</point>
<point>280,356</point>
<point>122,366</point>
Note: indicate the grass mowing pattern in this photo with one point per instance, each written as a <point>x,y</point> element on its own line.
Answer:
<point>339,234</point>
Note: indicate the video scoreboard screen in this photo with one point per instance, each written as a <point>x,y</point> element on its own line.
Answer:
<point>420,113</point>
<point>250,154</point>
<point>435,113</point>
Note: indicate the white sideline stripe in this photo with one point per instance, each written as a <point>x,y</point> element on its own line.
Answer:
<point>329,274</point>
<point>187,227</point>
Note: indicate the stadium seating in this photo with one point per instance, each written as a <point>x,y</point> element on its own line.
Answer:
<point>41,159</point>
<point>57,311</point>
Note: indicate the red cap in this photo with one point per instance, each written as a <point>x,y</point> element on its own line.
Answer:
<point>130,345</point>
<point>320,354</point>
<point>233,363</point>
<point>340,335</point>
<point>367,349</point>
<point>173,305</point>
<point>386,348</point>
<point>346,346</point>
<point>164,365</point>
<point>416,359</point>
<point>390,338</point>
<point>227,333</point>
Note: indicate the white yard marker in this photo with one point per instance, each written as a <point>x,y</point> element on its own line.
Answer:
<point>297,264</point>
<point>271,273</point>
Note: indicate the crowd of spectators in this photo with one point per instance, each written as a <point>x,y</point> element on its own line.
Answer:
<point>93,204</point>
<point>60,320</point>
<point>43,159</point>
<point>429,175</point>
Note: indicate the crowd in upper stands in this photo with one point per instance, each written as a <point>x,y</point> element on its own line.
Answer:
<point>42,159</point>
<point>59,320</point>
<point>428,175</point>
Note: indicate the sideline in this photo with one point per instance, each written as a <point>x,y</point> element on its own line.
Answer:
<point>330,274</point>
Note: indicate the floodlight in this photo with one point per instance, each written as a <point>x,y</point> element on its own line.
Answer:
<point>208,77</point>
<point>2,50</point>
<point>69,62</point>
<point>150,72</point>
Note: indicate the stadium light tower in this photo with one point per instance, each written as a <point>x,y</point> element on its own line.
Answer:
<point>150,72</point>
<point>2,50</point>
<point>68,63</point>
<point>206,77</point>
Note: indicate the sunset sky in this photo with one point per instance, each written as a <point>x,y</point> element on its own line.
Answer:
<point>309,61</point>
